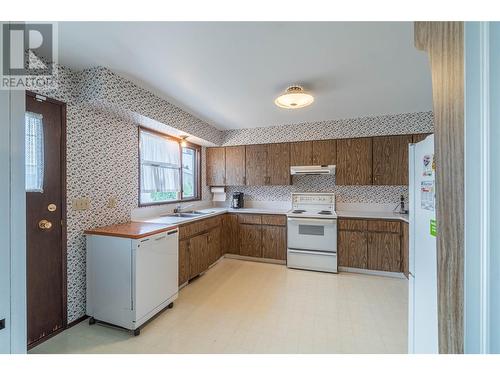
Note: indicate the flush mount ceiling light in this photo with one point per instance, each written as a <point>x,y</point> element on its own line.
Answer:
<point>294,97</point>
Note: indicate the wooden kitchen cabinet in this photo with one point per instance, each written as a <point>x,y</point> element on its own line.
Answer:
<point>370,244</point>
<point>352,249</point>
<point>230,234</point>
<point>251,240</point>
<point>214,245</point>
<point>405,248</point>
<point>183,261</point>
<point>274,242</point>
<point>256,165</point>
<point>384,251</point>
<point>301,153</point>
<point>354,161</point>
<point>216,166</point>
<point>198,255</point>
<point>278,164</point>
<point>324,152</point>
<point>390,160</point>
<point>235,165</point>
<point>419,137</point>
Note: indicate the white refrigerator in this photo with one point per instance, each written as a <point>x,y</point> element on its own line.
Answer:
<point>422,302</point>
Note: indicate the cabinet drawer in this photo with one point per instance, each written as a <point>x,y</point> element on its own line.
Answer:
<point>384,226</point>
<point>274,220</point>
<point>212,222</point>
<point>191,229</point>
<point>352,224</point>
<point>249,219</point>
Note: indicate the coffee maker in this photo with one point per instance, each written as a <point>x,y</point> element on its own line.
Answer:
<point>237,200</point>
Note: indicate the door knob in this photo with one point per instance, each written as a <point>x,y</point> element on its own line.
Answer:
<point>44,224</point>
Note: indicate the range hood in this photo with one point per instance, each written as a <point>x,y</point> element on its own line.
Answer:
<point>312,169</point>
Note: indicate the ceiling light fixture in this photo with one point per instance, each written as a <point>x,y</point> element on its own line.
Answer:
<point>294,97</point>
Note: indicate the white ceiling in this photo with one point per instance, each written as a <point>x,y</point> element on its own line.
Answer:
<point>228,74</point>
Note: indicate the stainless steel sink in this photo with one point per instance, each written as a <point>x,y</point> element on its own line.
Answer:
<point>183,214</point>
<point>189,213</point>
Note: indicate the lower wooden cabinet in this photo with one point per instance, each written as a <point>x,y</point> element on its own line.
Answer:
<point>214,245</point>
<point>384,252</point>
<point>251,240</point>
<point>370,244</point>
<point>183,261</point>
<point>198,255</point>
<point>405,248</point>
<point>274,242</point>
<point>352,250</point>
<point>230,237</point>
<point>262,236</point>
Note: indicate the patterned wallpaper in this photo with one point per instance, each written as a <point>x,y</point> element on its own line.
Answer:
<point>102,152</point>
<point>107,89</point>
<point>408,123</point>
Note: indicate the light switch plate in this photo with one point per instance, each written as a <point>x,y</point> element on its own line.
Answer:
<point>80,204</point>
<point>112,202</point>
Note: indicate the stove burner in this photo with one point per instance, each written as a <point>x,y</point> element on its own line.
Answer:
<point>298,211</point>
<point>325,212</point>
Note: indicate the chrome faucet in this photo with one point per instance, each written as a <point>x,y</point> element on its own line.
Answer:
<point>179,208</point>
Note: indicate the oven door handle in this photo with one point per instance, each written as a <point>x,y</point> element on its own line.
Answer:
<point>324,221</point>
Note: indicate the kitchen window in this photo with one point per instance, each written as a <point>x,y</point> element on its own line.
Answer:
<point>168,171</point>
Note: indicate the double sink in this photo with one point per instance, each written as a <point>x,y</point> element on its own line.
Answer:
<point>188,214</point>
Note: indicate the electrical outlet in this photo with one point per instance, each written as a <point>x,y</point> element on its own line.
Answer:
<point>112,202</point>
<point>80,204</point>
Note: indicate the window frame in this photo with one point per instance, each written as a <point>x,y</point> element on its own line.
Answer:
<point>197,174</point>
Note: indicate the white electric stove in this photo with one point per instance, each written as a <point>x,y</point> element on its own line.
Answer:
<point>312,232</point>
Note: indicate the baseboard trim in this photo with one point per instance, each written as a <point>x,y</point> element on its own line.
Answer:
<point>254,259</point>
<point>395,275</point>
<point>75,322</point>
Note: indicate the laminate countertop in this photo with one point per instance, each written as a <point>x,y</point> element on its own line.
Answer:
<point>373,215</point>
<point>133,229</point>
<point>210,212</point>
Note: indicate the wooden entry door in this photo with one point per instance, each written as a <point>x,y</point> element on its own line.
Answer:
<point>45,217</point>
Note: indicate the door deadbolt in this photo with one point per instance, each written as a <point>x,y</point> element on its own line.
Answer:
<point>52,207</point>
<point>44,224</point>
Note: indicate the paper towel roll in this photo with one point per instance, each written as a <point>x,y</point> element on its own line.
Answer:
<point>218,194</point>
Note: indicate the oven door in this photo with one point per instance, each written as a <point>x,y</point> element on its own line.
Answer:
<point>312,234</point>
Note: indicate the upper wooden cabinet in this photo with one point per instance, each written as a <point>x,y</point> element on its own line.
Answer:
<point>324,152</point>
<point>359,161</point>
<point>235,165</point>
<point>278,164</point>
<point>216,166</point>
<point>256,165</point>
<point>390,160</point>
<point>419,137</point>
<point>301,153</point>
<point>354,161</point>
